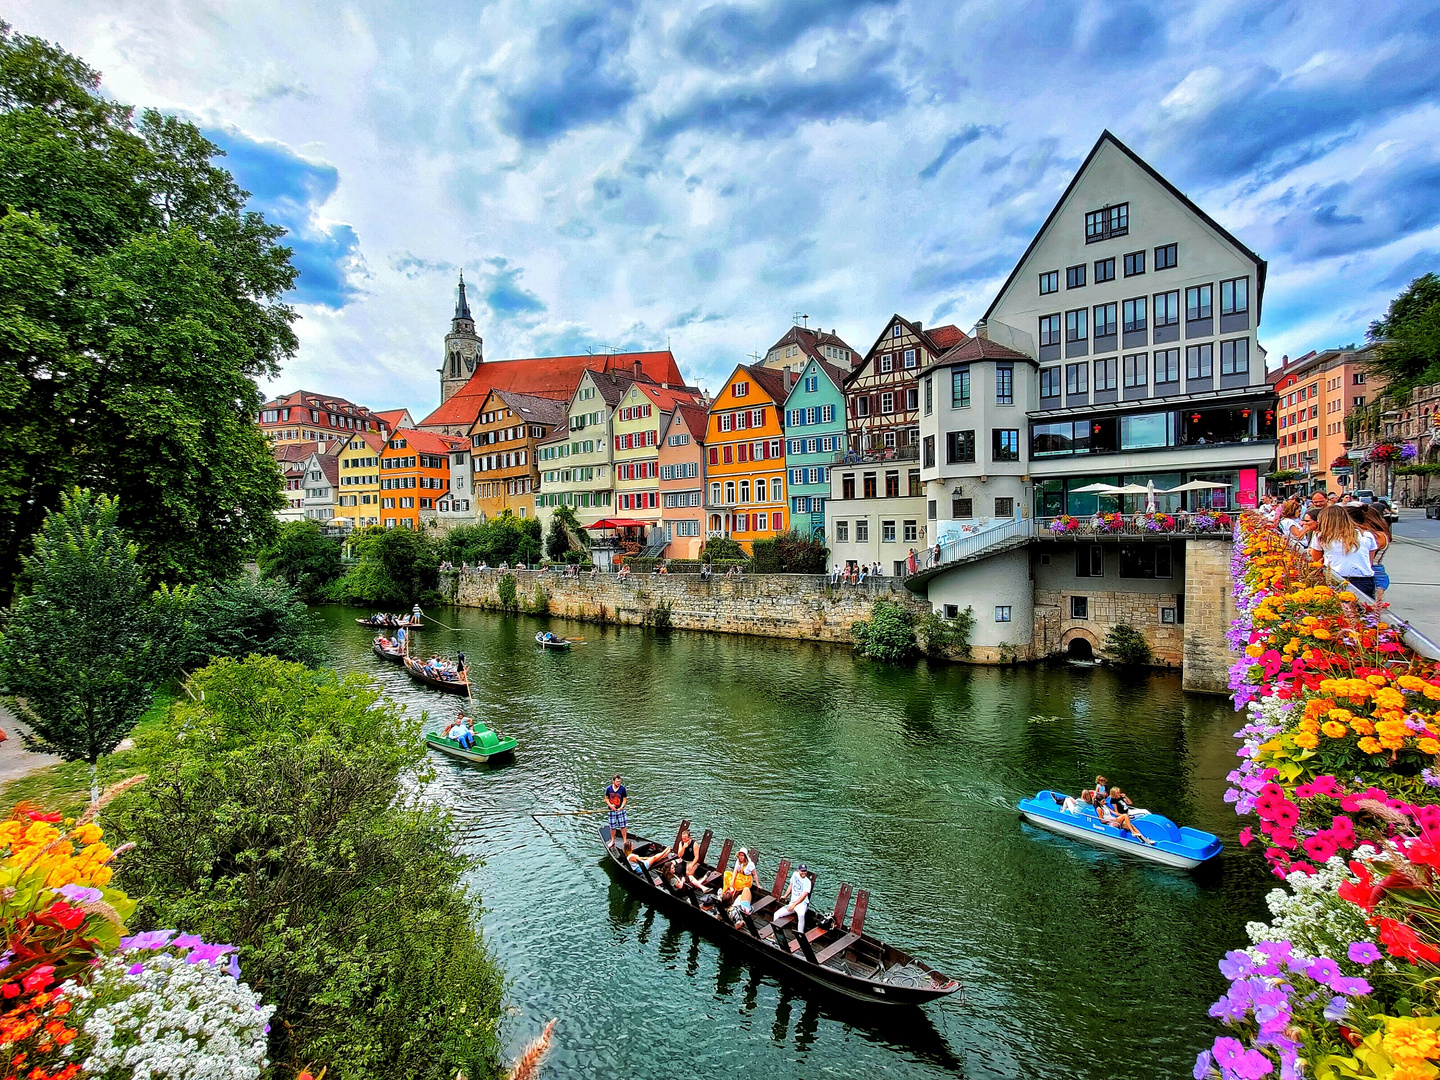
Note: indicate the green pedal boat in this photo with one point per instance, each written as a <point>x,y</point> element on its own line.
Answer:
<point>487,745</point>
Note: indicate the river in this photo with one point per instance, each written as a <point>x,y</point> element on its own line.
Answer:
<point>1075,962</point>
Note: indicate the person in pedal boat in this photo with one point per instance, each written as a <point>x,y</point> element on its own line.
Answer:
<point>461,731</point>
<point>1121,804</point>
<point>736,892</point>
<point>802,883</point>
<point>617,798</point>
<point>1120,821</point>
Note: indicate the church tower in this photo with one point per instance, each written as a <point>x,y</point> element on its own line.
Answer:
<point>463,348</point>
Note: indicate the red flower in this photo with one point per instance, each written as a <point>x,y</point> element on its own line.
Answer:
<point>50,818</point>
<point>68,917</point>
<point>1405,943</point>
<point>38,979</point>
<point>1360,893</point>
<point>10,990</point>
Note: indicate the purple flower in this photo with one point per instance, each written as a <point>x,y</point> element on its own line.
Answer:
<point>79,894</point>
<point>234,967</point>
<point>188,941</point>
<point>1349,987</point>
<point>1336,1009</point>
<point>1322,969</point>
<point>1232,1007</point>
<point>1227,1052</point>
<point>208,953</point>
<point>1236,965</point>
<point>134,969</point>
<point>151,939</point>
<point>1252,1065</point>
<point>1363,952</point>
<point>1204,1065</point>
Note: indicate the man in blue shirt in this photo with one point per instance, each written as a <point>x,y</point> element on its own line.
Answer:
<point>617,799</point>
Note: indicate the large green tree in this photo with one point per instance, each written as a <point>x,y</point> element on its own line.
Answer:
<point>1409,337</point>
<point>88,642</point>
<point>139,304</point>
<point>303,556</point>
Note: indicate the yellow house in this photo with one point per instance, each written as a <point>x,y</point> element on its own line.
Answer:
<point>358,496</point>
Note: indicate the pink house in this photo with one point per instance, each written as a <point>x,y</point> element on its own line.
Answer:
<point>682,482</point>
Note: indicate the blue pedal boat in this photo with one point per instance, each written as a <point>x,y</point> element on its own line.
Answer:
<point>1182,848</point>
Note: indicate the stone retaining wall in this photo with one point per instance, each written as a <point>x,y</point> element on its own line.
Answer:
<point>764,605</point>
<point>1209,611</point>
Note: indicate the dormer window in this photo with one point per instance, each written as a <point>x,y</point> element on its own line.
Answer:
<point>895,330</point>
<point>1107,222</point>
<point>740,389</point>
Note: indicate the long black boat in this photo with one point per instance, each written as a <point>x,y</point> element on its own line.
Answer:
<point>458,685</point>
<point>830,954</point>
<point>396,656</point>
<point>390,622</point>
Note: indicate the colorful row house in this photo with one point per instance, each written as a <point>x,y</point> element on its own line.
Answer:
<point>642,419</point>
<point>745,457</point>
<point>414,476</point>
<point>814,442</point>
<point>504,441</point>
<point>358,501</point>
<point>682,482</point>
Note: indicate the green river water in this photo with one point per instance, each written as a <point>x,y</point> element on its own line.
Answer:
<point>1075,962</point>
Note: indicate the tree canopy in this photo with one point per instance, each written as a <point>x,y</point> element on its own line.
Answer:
<point>139,304</point>
<point>304,557</point>
<point>1409,337</point>
<point>505,538</point>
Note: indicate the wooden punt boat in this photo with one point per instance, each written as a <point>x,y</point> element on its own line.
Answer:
<point>832,955</point>
<point>487,745</point>
<point>1181,848</point>
<point>395,656</point>
<point>552,642</point>
<point>388,622</point>
<point>458,685</point>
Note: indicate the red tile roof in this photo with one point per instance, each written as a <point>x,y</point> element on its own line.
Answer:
<point>696,419</point>
<point>668,397</point>
<point>946,336</point>
<point>545,376</point>
<point>775,383</point>
<point>428,442</point>
<point>978,348</point>
<point>392,417</point>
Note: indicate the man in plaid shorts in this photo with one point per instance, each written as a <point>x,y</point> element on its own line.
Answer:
<point>617,799</point>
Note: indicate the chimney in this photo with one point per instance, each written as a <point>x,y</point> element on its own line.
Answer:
<point>919,325</point>
<point>637,369</point>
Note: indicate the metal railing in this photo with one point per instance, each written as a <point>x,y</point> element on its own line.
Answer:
<point>970,544</point>
<point>1143,525</point>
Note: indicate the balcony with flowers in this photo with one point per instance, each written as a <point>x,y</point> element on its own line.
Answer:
<point>1338,771</point>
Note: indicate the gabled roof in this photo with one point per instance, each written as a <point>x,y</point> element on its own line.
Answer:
<point>296,451</point>
<point>666,398</point>
<point>532,409</point>
<point>975,349</point>
<point>771,381</point>
<point>1179,196</point>
<point>937,339</point>
<point>308,399</point>
<point>696,420</point>
<point>545,376</point>
<point>373,439</point>
<point>834,373</point>
<point>396,418</point>
<point>428,442</point>
<point>810,342</point>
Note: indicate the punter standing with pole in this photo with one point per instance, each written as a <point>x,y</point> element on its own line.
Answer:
<point>618,799</point>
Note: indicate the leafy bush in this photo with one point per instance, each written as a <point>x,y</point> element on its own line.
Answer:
<point>562,539</point>
<point>285,814</point>
<point>303,556</point>
<point>941,636</point>
<point>249,615</point>
<point>540,602</point>
<point>888,635</point>
<point>718,548</point>
<point>662,615</point>
<point>396,568</point>
<point>505,592</point>
<point>790,553</point>
<point>505,538</point>
<point>1127,646</point>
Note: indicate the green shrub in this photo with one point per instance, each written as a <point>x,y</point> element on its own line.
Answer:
<point>1126,646</point>
<point>505,592</point>
<point>790,553</point>
<point>661,616</point>
<point>396,568</point>
<point>285,814</point>
<point>303,556</point>
<point>540,602</point>
<point>719,548</point>
<point>888,635</point>
<point>941,636</point>
<point>505,538</point>
<point>252,615</point>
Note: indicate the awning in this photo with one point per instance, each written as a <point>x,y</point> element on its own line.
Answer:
<point>618,523</point>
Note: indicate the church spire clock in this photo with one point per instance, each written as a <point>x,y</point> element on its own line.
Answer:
<point>464,349</point>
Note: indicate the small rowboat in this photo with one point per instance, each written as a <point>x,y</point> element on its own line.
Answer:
<point>830,955</point>
<point>393,655</point>
<point>387,622</point>
<point>487,745</point>
<point>552,642</point>
<point>458,685</point>
<point>1182,848</point>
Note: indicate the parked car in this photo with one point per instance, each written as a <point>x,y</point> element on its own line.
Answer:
<point>1432,507</point>
<point>1365,495</point>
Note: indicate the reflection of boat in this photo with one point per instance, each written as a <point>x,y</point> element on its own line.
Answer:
<point>393,654</point>
<point>1182,848</point>
<point>547,640</point>
<point>831,955</point>
<point>487,745</point>
<point>460,684</point>
<point>389,622</point>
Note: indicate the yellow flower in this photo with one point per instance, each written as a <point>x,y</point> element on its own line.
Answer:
<point>1408,1043</point>
<point>1389,698</point>
<point>1309,724</point>
<point>1346,597</point>
<point>1410,682</point>
<point>1428,746</point>
<point>1306,740</point>
<point>1321,633</point>
<point>1413,1070</point>
<point>1334,729</point>
<point>1370,746</point>
<point>1376,680</point>
<point>89,834</point>
<point>1362,726</point>
<point>1431,691</point>
<point>1253,650</point>
<point>1343,715</point>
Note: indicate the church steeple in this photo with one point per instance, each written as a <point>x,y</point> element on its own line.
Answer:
<point>464,348</point>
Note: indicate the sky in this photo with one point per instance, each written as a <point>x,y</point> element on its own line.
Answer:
<point>617,174</point>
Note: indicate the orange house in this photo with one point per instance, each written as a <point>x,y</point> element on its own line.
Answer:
<point>745,456</point>
<point>414,475</point>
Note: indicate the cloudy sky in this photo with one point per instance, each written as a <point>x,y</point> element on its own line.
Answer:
<point>621,174</point>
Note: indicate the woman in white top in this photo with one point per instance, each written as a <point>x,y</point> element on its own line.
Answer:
<point>1291,519</point>
<point>1345,548</point>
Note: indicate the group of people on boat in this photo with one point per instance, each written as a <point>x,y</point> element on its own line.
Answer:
<point>681,872</point>
<point>462,731</point>
<point>1110,804</point>
<point>437,667</point>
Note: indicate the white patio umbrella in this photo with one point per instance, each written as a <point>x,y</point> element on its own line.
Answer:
<point>1150,497</point>
<point>1131,489</point>
<point>1196,485</point>
<point>1097,489</point>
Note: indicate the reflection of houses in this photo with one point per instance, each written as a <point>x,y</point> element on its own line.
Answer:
<point>1123,350</point>
<point>745,458</point>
